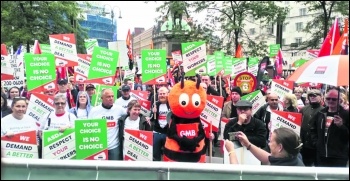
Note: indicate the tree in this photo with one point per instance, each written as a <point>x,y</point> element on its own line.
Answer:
<point>231,16</point>
<point>22,22</point>
<point>325,13</point>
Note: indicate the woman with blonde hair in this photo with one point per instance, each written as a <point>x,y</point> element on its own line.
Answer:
<point>344,102</point>
<point>290,103</point>
<point>299,92</point>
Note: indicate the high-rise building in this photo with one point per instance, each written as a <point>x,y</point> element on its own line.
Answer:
<point>100,27</point>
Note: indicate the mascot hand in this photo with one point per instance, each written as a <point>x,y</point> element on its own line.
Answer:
<point>188,144</point>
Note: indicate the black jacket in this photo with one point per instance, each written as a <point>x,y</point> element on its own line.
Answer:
<point>143,125</point>
<point>5,110</point>
<point>336,144</point>
<point>308,113</point>
<point>255,131</point>
<point>155,121</point>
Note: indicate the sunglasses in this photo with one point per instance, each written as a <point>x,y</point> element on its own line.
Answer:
<point>59,103</point>
<point>273,99</point>
<point>333,99</point>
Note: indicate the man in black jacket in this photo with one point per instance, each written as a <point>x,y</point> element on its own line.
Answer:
<point>331,133</point>
<point>252,127</point>
<point>309,112</point>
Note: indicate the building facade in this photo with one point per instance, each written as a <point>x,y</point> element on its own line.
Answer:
<point>102,28</point>
<point>292,31</point>
<point>141,41</point>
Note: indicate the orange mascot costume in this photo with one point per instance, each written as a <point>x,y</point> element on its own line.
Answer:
<point>185,136</point>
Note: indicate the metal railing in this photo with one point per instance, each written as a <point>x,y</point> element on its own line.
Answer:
<point>31,169</point>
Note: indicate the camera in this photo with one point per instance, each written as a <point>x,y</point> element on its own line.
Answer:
<point>233,136</point>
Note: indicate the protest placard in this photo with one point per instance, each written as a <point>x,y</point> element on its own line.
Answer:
<point>211,65</point>
<point>96,98</point>
<point>45,48</point>
<point>64,48</point>
<point>21,145</point>
<point>239,65</point>
<point>103,66</point>
<point>7,72</point>
<point>177,57</point>
<point>253,65</point>
<point>89,45</point>
<point>219,63</point>
<point>81,71</point>
<point>39,108</point>
<point>40,72</point>
<point>212,112</point>
<point>138,145</point>
<point>194,55</point>
<point>139,95</point>
<point>18,73</point>
<point>284,119</point>
<point>154,66</point>
<point>59,146</point>
<point>281,88</point>
<point>257,99</point>
<point>145,107</point>
<point>274,49</point>
<point>91,139</point>
<point>246,81</point>
<point>228,66</point>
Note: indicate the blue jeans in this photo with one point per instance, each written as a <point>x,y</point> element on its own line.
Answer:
<point>158,144</point>
<point>114,154</point>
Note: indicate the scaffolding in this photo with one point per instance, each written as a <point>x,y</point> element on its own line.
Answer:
<point>101,28</point>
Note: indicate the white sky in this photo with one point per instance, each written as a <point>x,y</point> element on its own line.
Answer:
<point>138,14</point>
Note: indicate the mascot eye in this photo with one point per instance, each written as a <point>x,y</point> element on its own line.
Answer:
<point>183,99</point>
<point>196,100</point>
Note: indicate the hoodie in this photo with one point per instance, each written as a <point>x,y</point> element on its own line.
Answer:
<point>74,110</point>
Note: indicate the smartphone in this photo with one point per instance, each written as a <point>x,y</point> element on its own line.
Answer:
<point>233,136</point>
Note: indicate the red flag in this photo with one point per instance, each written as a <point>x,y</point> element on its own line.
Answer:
<point>331,40</point>
<point>279,65</point>
<point>129,44</point>
<point>3,50</point>
<point>239,53</point>
<point>37,49</point>
<point>342,45</point>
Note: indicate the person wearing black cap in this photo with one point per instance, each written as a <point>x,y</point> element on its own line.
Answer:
<point>252,127</point>
<point>67,91</point>
<point>90,89</point>
<point>308,112</point>
<point>125,98</point>
<point>229,110</point>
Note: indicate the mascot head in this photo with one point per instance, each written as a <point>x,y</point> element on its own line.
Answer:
<point>187,99</point>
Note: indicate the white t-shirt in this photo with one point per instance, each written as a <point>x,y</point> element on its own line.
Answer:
<point>11,124</point>
<point>123,103</point>
<point>132,124</point>
<point>163,111</point>
<point>112,115</point>
<point>9,102</point>
<point>67,119</point>
<point>81,113</point>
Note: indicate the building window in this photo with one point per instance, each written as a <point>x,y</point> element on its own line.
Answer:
<point>284,28</point>
<point>252,31</point>
<point>270,29</point>
<point>299,26</point>
<point>302,12</point>
<point>283,41</point>
<point>299,40</point>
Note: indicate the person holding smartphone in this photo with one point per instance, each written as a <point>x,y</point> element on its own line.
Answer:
<point>331,132</point>
<point>252,127</point>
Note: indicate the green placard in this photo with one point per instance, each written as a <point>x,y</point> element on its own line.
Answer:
<point>219,59</point>
<point>211,65</point>
<point>228,65</point>
<point>194,57</point>
<point>45,48</point>
<point>103,65</point>
<point>40,70</point>
<point>274,49</point>
<point>96,98</point>
<point>57,145</point>
<point>153,66</point>
<point>90,44</point>
<point>91,139</point>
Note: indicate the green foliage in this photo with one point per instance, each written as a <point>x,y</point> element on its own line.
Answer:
<point>231,16</point>
<point>325,13</point>
<point>26,21</point>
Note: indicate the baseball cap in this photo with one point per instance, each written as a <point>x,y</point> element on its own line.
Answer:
<point>125,88</point>
<point>62,81</point>
<point>314,92</point>
<point>244,103</point>
<point>89,86</point>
